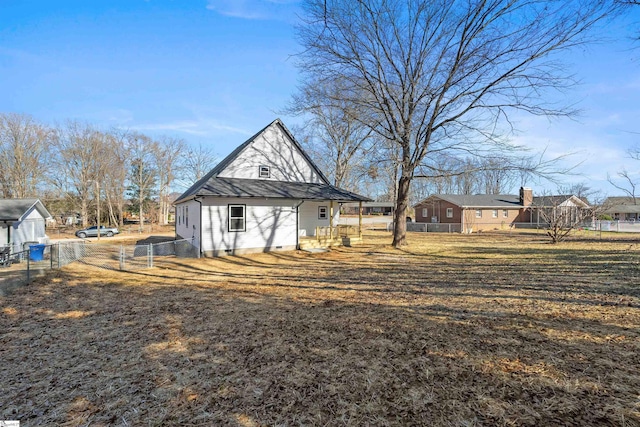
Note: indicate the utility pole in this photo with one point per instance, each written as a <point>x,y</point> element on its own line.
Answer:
<point>98,207</point>
<point>95,181</point>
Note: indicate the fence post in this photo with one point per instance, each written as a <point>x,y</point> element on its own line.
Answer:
<point>122,255</point>
<point>28,265</point>
<point>150,255</point>
<point>58,252</point>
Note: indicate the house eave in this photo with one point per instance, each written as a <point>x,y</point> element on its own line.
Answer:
<point>494,207</point>
<point>258,197</point>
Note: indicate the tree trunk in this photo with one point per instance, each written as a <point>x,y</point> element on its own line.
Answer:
<point>140,212</point>
<point>112,216</point>
<point>84,213</point>
<point>120,206</point>
<point>402,203</point>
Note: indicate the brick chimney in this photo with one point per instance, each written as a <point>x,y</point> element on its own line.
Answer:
<point>526,196</point>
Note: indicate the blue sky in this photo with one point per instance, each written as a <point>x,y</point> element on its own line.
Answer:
<point>216,71</point>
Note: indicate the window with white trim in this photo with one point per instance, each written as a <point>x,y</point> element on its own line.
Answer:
<point>478,213</point>
<point>494,214</point>
<point>186,215</point>
<point>264,171</point>
<point>323,212</point>
<point>237,218</point>
<point>505,213</point>
<point>425,213</point>
<point>449,212</point>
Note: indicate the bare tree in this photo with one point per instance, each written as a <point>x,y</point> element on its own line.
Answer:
<point>629,184</point>
<point>78,159</point>
<point>334,131</point>
<point>167,152</point>
<point>24,145</point>
<point>143,173</point>
<point>196,163</point>
<point>561,215</point>
<point>116,159</point>
<point>439,75</point>
<point>582,191</point>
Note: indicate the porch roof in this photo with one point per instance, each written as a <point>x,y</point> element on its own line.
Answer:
<point>250,188</point>
<point>625,209</point>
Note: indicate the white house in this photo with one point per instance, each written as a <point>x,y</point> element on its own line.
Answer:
<point>266,195</point>
<point>22,221</point>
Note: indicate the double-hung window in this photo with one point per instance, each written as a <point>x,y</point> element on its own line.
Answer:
<point>478,213</point>
<point>237,217</point>
<point>323,212</point>
<point>449,212</point>
<point>264,172</point>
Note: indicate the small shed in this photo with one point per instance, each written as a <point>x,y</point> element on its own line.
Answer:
<point>22,221</point>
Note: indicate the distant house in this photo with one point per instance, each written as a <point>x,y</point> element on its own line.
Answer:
<point>567,208</point>
<point>22,221</point>
<point>622,208</point>
<point>469,213</point>
<point>369,208</point>
<point>265,196</point>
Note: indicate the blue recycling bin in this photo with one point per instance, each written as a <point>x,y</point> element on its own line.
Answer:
<point>36,252</point>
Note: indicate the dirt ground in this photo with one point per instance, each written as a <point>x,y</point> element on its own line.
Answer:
<point>453,330</point>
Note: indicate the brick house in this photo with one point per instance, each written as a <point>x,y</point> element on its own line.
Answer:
<point>469,213</point>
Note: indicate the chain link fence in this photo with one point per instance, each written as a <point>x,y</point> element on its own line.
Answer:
<point>22,267</point>
<point>596,226</point>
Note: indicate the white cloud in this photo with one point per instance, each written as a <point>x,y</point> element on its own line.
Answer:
<point>253,9</point>
<point>192,127</point>
<point>599,144</point>
<point>120,115</point>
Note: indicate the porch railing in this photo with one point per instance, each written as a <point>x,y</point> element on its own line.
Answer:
<point>338,231</point>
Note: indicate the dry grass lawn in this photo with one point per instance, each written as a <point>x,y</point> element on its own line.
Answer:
<point>455,330</point>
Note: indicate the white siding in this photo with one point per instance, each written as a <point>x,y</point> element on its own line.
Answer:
<point>272,148</point>
<point>30,229</point>
<point>270,224</point>
<point>188,221</point>
<point>309,217</point>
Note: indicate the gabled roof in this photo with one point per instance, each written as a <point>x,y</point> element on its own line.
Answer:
<point>622,205</point>
<point>502,201</point>
<point>624,200</point>
<point>213,185</point>
<point>15,209</point>
<point>467,201</point>
<point>554,201</point>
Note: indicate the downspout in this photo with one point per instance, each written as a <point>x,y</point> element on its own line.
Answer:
<point>8,234</point>
<point>298,225</point>
<point>195,199</point>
